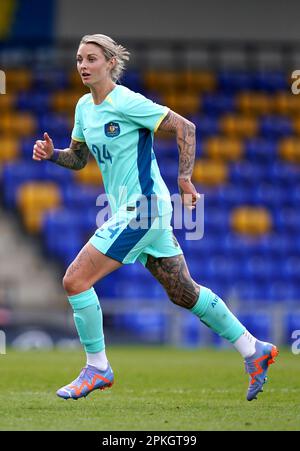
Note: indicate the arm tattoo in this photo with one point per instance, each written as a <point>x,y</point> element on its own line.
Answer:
<point>186,141</point>
<point>173,274</point>
<point>75,157</point>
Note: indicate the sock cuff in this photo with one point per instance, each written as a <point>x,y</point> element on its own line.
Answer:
<point>201,305</point>
<point>84,299</point>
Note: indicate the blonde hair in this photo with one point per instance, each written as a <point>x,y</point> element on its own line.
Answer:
<point>110,50</point>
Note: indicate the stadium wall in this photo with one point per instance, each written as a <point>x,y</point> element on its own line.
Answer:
<point>189,19</point>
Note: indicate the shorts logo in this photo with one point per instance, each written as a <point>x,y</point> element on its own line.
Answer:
<point>112,129</point>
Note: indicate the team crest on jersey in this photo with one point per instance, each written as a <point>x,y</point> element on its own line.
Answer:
<point>112,129</point>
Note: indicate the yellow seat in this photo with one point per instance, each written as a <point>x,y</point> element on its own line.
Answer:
<point>182,103</point>
<point>251,220</point>
<point>65,101</point>
<point>210,172</point>
<point>7,102</point>
<point>90,175</point>
<point>296,125</point>
<point>162,80</point>
<point>254,103</point>
<point>18,124</point>
<point>289,149</point>
<point>9,149</point>
<point>199,81</point>
<point>224,148</point>
<point>286,103</point>
<point>239,126</point>
<point>18,80</point>
<point>34,199</point>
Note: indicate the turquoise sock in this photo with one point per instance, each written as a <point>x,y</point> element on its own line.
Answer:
<point>213,312</point>
<point>88,320</point>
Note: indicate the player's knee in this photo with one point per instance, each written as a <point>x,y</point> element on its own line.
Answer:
<point>73,286</point>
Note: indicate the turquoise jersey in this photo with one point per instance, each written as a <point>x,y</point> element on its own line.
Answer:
<point>119,133</point>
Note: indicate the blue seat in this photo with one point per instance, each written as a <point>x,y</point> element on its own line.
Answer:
<point>14,174</point>
<point>216,219</point>
<point>215,104</point>
<point>287,220</point>
<point>244,172</point>
<point>258,324</point>
<point>190,330</point>
<point>47,80</point>
<point>270,195</point>
<point>261,150</point>
<point>261,268</point>
<point>76,196</point>
<point>54,124</point>
<point>270,81</point>
<point>276,126</point>
<point>285,174</point>
<point>282,291</point>
<point>223,268</point>
<point>34,101</point>
<point>232,81</point>
<point>233,195</point>
<point>133,80</point>
<point>206,126</point>
<point>290,267</point>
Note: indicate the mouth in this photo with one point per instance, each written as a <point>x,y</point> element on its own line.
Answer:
<point>85,75</point>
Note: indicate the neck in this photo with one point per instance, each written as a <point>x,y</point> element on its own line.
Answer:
<point>99,92</point>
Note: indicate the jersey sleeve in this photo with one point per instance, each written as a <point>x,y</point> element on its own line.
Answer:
<point>144,112</point>
<point>77,133</point>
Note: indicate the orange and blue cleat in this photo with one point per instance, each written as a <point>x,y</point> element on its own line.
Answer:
<point>89,379</point>
<point>257,366</point>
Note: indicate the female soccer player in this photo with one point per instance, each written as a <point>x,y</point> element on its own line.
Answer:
<point>116,125</point>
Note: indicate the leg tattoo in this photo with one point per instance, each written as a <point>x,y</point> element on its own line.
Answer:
<point>173,274</point>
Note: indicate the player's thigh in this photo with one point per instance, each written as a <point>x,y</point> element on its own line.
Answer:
<point>173,274</point>
<point>89,266</point>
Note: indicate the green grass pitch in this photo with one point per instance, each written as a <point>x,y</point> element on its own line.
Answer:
<point>156,388</point>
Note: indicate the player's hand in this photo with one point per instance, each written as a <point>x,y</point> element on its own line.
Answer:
<point>188,193</point>
<point>43,150</point>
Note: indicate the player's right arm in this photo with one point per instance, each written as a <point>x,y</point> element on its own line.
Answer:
<point>75,157</point>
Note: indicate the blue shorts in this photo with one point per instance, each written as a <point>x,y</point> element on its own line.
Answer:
<point>126,239</point>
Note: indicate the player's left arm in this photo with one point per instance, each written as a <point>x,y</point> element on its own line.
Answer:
<point>186,141</point>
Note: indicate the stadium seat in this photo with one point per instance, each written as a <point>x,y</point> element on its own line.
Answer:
<point>7,102</point>
<point>251,220</point>
<point>216,103</point>
<point>18,124</point>
<point>276,126</point>
<point>261,150</point>
<point>33,200</point>
<point>223,148</point>
<point>285,103</point>
<point>238,125</point>
<point>65,101</point>
<point>199,80</point>
<point>182,103</point>
<point>289,149</point>
<point>18,80</point>
<point>253,103</point>
<point>208,172</point>
<point>90,175</point>
<point>232,81</point>
<point>9,149</point>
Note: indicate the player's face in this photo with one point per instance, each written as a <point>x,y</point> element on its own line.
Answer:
<point>92,65</point>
